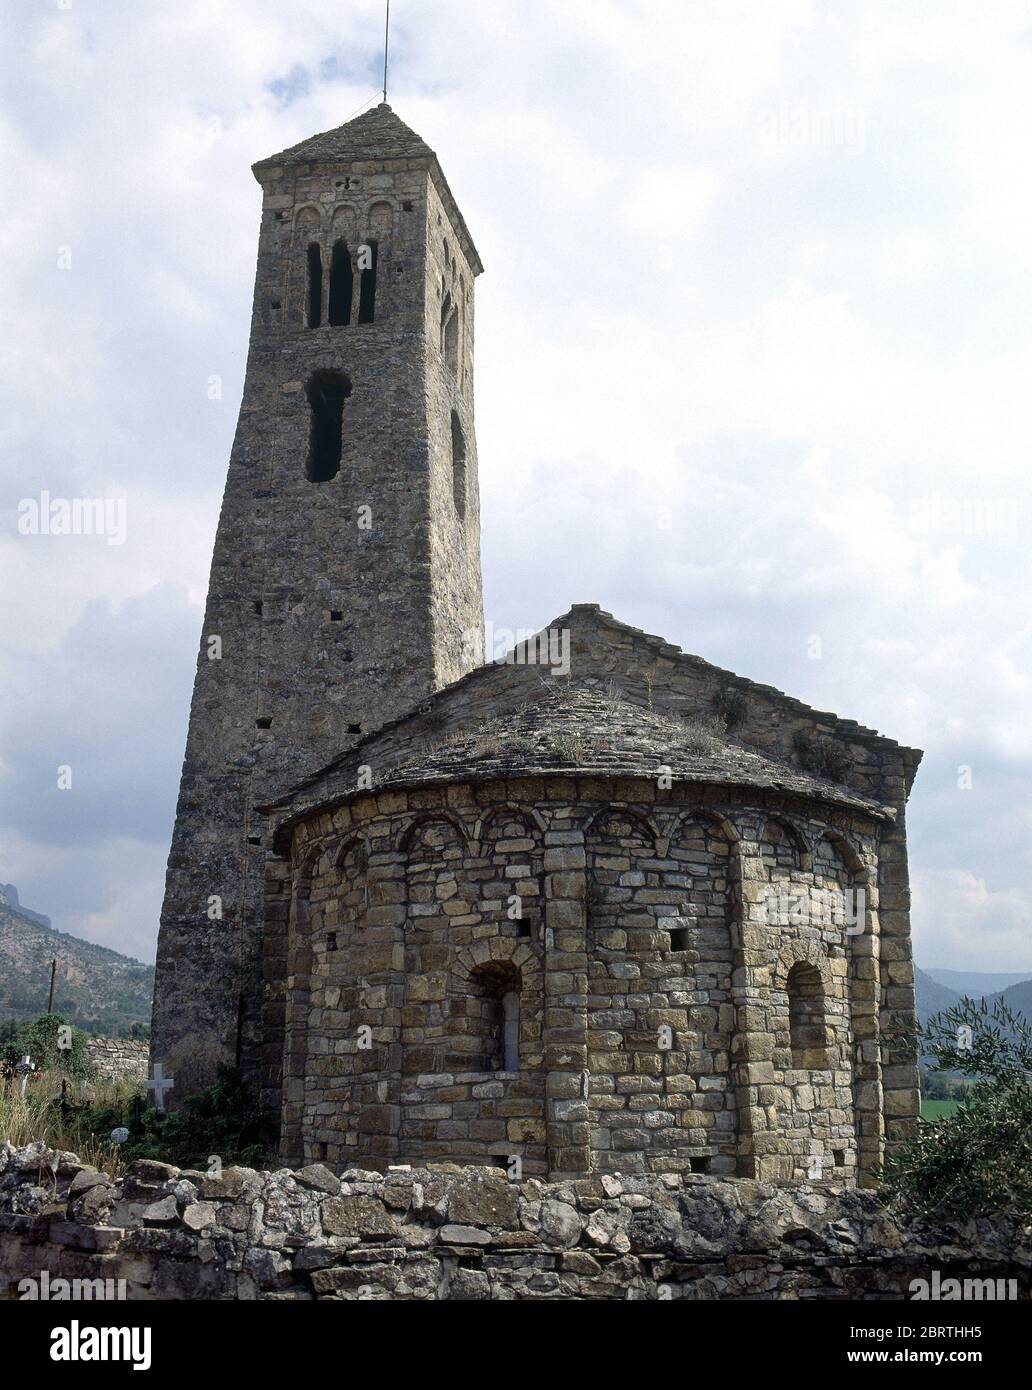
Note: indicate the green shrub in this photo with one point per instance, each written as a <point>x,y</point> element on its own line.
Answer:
<point>731,705</point>
<point>225,1119</point>
<point>821,756</point>
<point>978,1160</point>
<point>37,1038</point>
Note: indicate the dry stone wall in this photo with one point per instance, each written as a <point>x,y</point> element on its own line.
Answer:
<point>119,1059</point>
<point>452,1233</point>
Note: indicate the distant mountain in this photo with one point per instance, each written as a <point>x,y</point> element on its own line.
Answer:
<point>1019,999</point>
<point>9,895</point>
<point>932,997</point>
<point>976,983</point>
<point>97,989</point>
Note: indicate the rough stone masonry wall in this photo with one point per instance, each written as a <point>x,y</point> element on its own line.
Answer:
<point>635,917</point>
<point>119,1059</point>
<point>469,1234</point>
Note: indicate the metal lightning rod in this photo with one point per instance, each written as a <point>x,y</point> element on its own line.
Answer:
<point>386,41</point>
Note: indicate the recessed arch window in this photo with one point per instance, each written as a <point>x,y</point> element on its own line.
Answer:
<point>341,285</point>
<point>314,310</point>
<point>327,391</point>
<point>458,460</point>
<point>807,1019</point>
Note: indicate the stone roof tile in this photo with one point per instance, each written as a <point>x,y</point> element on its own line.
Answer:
<point>376,134</point>
<point>578,729</point>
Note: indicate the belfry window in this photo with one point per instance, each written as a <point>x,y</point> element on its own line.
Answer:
<point>367,285</point>
<point>458,461</point>
<point>314,316</point>
<point>341,286</point>
<point>327,391</point>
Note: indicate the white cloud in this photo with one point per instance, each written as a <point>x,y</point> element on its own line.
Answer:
<point>961,923</point>
<point>787,347</point>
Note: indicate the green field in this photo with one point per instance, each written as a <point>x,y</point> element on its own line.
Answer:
<point>936,1109</point>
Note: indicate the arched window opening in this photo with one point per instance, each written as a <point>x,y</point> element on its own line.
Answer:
<point>782,847</point>
<point>458,461</point>
<point>807,1019</point>
<point>314,284</point>
<point>367,286</point>
<point>494,1021</point>
<point>341,285</point>
<point>327,392</point>
<point>451,342</point>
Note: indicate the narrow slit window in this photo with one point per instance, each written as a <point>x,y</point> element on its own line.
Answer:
<point>450,340</point>
<point>511,1031</point>
<point>458,459</point>
<point>314,285</point>
<point>327,392</point>
<point>367,286</point>
<point>342,282</point>
<point>493,1016</point>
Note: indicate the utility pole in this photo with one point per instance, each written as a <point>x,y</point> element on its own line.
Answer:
<point>53,981</point>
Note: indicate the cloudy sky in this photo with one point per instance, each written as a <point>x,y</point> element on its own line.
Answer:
<point>754,353</point>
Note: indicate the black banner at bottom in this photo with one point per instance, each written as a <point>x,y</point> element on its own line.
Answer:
<point>205,1339</point>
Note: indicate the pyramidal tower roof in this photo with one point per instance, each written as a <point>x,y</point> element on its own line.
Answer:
<point>376,134</point>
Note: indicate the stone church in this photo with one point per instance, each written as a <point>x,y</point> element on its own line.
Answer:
<point>600,907</point>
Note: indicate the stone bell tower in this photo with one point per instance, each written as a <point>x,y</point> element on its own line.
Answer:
<point>346,570</point>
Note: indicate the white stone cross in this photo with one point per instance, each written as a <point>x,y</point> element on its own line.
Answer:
<point>24,1067</point>
<point>159,1083</point>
